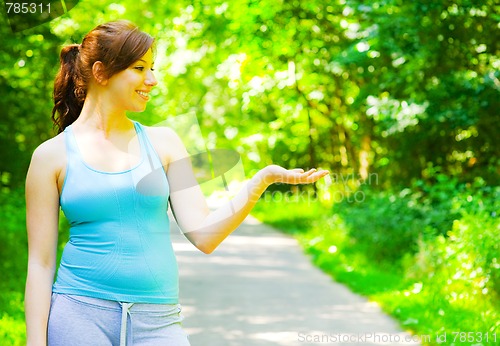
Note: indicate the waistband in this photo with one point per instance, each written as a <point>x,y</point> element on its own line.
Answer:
<point>126,309</point>
<point>117,306</point>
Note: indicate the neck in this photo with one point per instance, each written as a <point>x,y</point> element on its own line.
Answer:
<point>102,117</point>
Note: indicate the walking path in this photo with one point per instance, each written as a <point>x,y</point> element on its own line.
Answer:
<point>259,289</point>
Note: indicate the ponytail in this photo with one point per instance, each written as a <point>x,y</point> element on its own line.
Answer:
<point>68,93</point>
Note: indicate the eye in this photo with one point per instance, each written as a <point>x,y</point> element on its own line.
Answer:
<point>140,68</point>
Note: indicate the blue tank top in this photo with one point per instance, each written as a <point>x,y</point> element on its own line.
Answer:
<point>119,245</point>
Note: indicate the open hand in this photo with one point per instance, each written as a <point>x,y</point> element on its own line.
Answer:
<point>278,174</point>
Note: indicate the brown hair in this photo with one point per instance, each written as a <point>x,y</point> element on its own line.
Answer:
<point>116,44</point>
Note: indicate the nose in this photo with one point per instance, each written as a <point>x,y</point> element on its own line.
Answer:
<point>150,79</point>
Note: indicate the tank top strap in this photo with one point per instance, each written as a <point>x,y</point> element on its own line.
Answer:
<point>74,163</point>
<point>69,140</point>
<point>72,151</point>
<point>152,157</point>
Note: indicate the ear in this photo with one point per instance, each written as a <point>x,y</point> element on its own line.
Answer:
<point>99,74</point>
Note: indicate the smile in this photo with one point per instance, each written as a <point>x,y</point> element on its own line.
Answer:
<point>143,94</point>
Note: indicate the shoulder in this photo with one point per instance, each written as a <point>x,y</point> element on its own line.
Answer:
<point>43,178</point>
<point>51,148</point>
<point>161,132</point>
<point>50,155</point>
<point>166,142</point>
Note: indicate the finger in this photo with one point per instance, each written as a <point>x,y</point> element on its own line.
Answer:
<point>321,171</point>
<point>311,171</point>
<point>297,170</point>
<point>320,174</point>
<point>316,176</point>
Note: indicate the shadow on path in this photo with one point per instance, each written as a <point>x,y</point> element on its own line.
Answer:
<point>259,289</point>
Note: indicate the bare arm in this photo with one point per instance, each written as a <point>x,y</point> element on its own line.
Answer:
<point>207,229</point>
<point>42,218</point>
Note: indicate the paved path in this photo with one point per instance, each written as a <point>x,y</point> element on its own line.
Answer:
<point>259,289</point>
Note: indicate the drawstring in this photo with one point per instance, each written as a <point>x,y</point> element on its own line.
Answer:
<point>123,331</point>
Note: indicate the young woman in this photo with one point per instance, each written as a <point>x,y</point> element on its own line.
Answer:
<point>112,177</point>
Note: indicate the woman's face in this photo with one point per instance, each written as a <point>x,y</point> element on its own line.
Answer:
<point>130,88</point>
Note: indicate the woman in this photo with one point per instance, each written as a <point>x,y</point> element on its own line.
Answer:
<point>112,177</point>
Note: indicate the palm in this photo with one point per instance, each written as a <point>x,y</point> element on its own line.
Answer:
<point>294,176</point>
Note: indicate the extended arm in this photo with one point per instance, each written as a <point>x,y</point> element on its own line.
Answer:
<point>207,229</point>
<point>42,217</point>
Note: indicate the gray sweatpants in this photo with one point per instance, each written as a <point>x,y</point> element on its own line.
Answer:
<point>85,321</point>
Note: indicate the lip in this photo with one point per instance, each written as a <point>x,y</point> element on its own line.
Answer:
<point>144,97</point>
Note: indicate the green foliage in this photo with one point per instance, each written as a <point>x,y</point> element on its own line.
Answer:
<point>467,256</point>
<point>458,275</point>
<point>400,221</point>
<point>13,239</point>
<point>395,225</point>
<point>298,215</point>
<point>13,264</point>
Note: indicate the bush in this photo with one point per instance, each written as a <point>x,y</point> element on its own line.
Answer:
<point>391,225</point>
<point>467,260</point>
<point>13,240</point>
<point>13,264</point>
<point>387,226</point>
